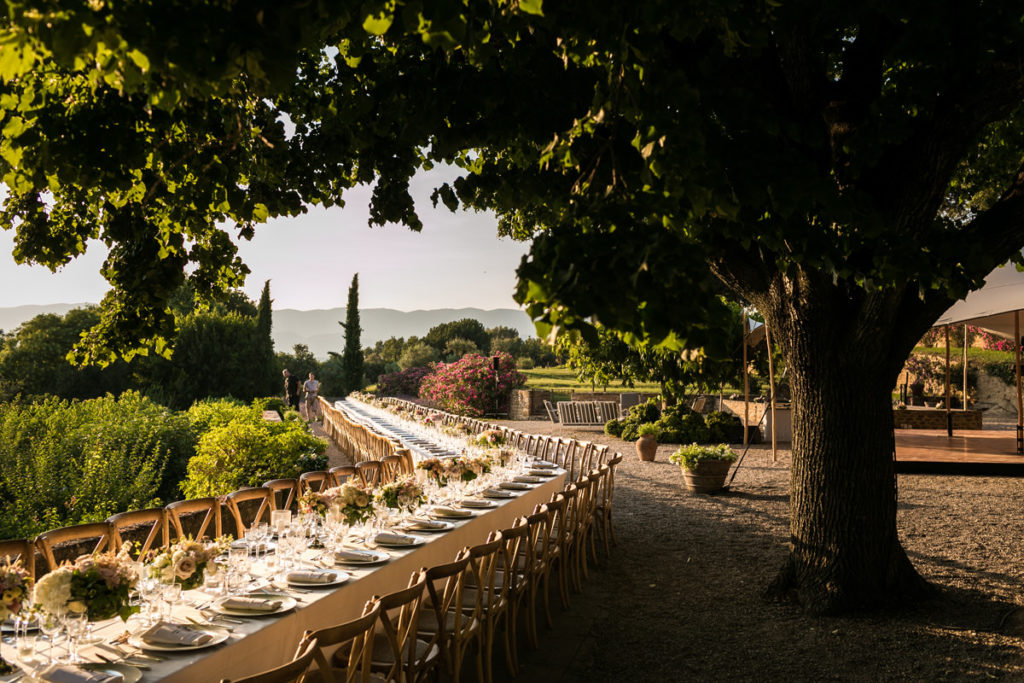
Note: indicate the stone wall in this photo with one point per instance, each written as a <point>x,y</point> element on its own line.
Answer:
<point>527,403</point>
<point>932,418</point>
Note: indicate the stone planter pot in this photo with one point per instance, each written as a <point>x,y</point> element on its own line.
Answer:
<point>647,448</point>
<point>708,477</point>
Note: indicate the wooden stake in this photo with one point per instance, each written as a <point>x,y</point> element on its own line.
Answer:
<point>949,416</point>
<point>963,403</point>
<point>771,387</point>
<point>746,385</point>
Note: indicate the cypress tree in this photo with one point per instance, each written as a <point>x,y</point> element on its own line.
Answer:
<point>352,357</point>
<point>265,365</point>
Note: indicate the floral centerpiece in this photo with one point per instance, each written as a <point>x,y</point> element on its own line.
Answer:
<point>404,493</point>
<point>318,502</point>
<point>185,562</point>
<point>436,469</point>
<point>353,501</point>
<point>14,590</point>
<point>97,584</point>
<point>492,438</point>
<point>469,467</point>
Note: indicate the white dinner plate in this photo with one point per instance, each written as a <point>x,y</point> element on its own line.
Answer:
<point>542,473</point>
<point>479,503</point>
<point>287,603</point>
<point>339,578</point>
<point>527,479</point>
<point>129,674</point>
<point>514,486</point>
<point>219,636</point>
<point>498,493</point>
<point>372,557</point>
<point>544,464</point>
<point>416,541</point>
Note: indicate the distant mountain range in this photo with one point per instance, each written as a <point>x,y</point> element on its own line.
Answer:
<point>319,329</point>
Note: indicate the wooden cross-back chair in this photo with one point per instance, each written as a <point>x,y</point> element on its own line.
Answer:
<point>314,481</point>
<point>285,492</point>
<point>486,596</point>
<point>397,653</point>
<point>211,524</point>
<point>532,564</point>
<point>352,641</point>
<point>290,672</point>
<point>390,468</point>
<point>446,621</point>
<point>341,474</point>
<point>236,499</point>
<point>153,518</point>
<point>19,550</point>
<point>604,499</point>
<point>513,587</point>
<point>369,472</point>
<point>94,538</point>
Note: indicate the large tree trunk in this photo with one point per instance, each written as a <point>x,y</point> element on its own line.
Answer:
<point>845,551</point>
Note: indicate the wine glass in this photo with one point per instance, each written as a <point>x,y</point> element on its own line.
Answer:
<point>172,596</point>
<point>75,624</point>
<point>50,624</point>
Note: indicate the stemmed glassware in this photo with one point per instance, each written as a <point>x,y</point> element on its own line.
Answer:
<point>50,624</point>
<point>75,624</point>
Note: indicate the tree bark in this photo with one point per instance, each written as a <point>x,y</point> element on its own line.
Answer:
<point>845,552</point>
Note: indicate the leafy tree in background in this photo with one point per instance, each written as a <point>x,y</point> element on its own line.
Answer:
<point>849,169</point>
<point>418,354</point>
<point>457,347</point>
<point>466,328</point>
<point>352,358</point>
<point>264,367</point>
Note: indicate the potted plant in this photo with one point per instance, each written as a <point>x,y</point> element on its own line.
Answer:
<point>704,467</point>
<point>647,444</point>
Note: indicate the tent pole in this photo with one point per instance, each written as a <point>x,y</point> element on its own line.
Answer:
<point>746,385</point>
<point>964,402</point>
<point>771,387</point>
<point>1020,407</point>
<point>949,415</point>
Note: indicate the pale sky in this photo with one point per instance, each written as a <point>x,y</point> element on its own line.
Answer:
<point>456,261</point>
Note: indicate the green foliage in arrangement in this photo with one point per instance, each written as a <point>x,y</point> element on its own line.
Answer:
<point>649,429</point>
<point>239,448</point>
<point>688,457</point>
<point>638,415</point>
<point>679,424</point>
<point>67,462</point>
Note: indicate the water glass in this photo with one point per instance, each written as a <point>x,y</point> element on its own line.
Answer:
<point>24,638</point>
<point>75,623</point>
<point>50,626</point>
<point>280,520</point>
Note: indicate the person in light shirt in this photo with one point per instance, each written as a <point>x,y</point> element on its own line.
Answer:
<point>312,388</point>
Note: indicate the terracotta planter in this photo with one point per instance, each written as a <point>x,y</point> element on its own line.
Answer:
<point>708,476</point>
<point>647,448</point>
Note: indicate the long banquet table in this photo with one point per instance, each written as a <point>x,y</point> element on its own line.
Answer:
<point>260,643</point>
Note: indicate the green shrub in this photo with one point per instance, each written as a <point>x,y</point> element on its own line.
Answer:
<point>247,452</point>
<point>724,427</point>
<point>613,427</point>
<point>649,429</point>
<point>688,457</point>
<point>270,403</point>
<point>216,412</point>
<point>679,424</point>
<point>638,415</point>
<point>68,462</point>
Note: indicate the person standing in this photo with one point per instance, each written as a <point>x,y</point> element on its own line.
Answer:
<point>312,387</point>
<point>291,389</point>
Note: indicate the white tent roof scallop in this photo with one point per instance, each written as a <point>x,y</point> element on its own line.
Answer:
<point>993,306</point>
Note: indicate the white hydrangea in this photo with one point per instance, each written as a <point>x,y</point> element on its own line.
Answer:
<point>53,591</point>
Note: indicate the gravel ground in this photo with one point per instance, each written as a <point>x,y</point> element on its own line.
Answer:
<point>680,597</point>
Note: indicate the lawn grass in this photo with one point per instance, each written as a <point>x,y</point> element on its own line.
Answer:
<point>562,380</point>
<point>972,353</point>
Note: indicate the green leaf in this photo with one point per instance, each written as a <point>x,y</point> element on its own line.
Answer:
<point>532,6</point>
<point>141,60</point>
<point>378,24</point>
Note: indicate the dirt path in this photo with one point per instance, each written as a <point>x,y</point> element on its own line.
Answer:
<point>680,598</point>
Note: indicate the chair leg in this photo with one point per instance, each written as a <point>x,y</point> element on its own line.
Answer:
<point>545,591</point>
<point>510,639</point>
<point>531,614</point>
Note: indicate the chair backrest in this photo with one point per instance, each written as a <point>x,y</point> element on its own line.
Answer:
<point>446,584</point>
<point>390,468</point>
<point>235,499</point>
<point>369,472</point>
<point>512,542</point>
<point>291,672</point>
<point>285,492</point>
<point>208,507</point>
<point>19,550</point>
<point>356,636</point>
<point>314,481</point>
<point>95,538</point>
<point>534,547</point>
<point>341,474</point>
<point>138,521</point>
<point>399,616</point>
<point>408,464</point>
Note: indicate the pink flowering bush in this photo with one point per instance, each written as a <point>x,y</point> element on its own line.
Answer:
<point>403,383</point>
<point>468,386</point>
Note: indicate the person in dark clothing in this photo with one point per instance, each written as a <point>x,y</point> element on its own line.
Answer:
<point>291,389</point>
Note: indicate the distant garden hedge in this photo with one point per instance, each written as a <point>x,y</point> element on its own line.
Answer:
<point>69,462</point>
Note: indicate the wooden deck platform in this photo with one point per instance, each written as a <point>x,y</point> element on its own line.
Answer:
<point>987,452</point>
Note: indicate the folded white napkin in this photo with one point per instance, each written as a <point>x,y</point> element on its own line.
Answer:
<point>246,604</point>
<point>527,480</point>
<point>345,555</point>
<point>311,576</point>
<point>541,473</point>
<point>425,524</point>
<point>164,633</point>
<point>72,674</point>
<point>394,539</point>
<point>496,493</point>
<point>513,485</point>
<point>543,463</point>
<point>446,511</point>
